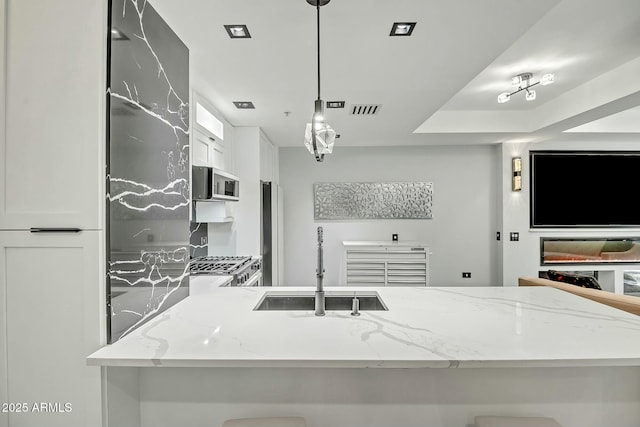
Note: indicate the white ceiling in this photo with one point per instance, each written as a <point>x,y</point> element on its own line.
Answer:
<point>438,86</point>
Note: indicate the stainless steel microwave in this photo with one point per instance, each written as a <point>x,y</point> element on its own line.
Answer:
<point>209,183</point>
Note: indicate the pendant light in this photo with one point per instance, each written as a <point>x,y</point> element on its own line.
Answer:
<point>319,137</point>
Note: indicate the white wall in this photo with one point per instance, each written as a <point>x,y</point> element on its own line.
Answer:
<point>522,258</point>
<point>268,160</point>
<point>221,236</point>
<point>222,239</point>
<point>461,235</point>
<point>246,212</point>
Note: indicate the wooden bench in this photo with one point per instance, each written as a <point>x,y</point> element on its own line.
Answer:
<point>623,302</point>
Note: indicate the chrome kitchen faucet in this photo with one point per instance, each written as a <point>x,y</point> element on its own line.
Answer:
<point>320,275</point>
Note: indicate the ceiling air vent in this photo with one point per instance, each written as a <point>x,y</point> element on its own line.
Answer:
<point>365,109</point>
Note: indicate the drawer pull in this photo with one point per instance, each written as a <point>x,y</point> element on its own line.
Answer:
<point>386,253</point>
<point>55,230</point>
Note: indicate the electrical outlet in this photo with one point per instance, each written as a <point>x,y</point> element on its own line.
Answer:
<point>466,275</point>
<point>514,236</point>
<point>497,235</point>
<point>394,237</point>
<point>203,240</point>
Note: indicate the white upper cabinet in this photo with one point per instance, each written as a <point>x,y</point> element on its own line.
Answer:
<point>208,142</point>
<point>52,163</point>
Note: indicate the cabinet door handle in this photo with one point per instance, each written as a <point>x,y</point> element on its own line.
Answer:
<point>212,139</point>
<point>55,230</point>
<point>386,253</point>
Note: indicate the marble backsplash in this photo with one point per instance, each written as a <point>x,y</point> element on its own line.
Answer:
<point>148,244</point>
<point>198,239</point>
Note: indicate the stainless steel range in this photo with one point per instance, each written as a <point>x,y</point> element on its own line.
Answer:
<point>245,270</point>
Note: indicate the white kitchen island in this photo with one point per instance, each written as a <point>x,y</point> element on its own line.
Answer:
<point>529,351</point>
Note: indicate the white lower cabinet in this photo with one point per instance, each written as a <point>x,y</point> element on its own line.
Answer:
<point>386,264</point>
<point>53,313</point>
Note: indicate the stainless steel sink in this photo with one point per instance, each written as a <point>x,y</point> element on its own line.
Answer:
<point>280,301</point>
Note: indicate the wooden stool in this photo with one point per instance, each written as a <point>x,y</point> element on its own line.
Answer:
<point>266,422</point>
<point>490,421</point>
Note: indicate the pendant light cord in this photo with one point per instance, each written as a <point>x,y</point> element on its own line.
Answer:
<point>319,157</point>
<point>318,27</point>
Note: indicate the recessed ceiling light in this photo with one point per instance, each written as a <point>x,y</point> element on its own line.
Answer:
<point>116,34</point>
<point>402,28</point>
<point>243,105</point>
<point>238,31</point>
<point>335,104</point>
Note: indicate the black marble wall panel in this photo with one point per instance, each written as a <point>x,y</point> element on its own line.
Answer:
<point>148,167</point>
<point>199,239</point>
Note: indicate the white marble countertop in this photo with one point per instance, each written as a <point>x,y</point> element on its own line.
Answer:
<point>203,284</point>
<point>424,327</point>
<point>402,243</point>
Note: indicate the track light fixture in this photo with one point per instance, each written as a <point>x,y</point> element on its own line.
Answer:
<point>524,82</point>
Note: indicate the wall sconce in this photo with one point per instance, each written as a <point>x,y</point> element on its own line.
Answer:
<point>516,174</point>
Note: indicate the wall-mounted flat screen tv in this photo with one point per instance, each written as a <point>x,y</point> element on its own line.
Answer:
<point>584,189</point>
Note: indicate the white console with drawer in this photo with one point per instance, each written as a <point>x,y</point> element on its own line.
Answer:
<point>386,263</point>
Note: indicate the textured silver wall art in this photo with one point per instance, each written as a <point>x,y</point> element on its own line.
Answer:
<point>372,200</point>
